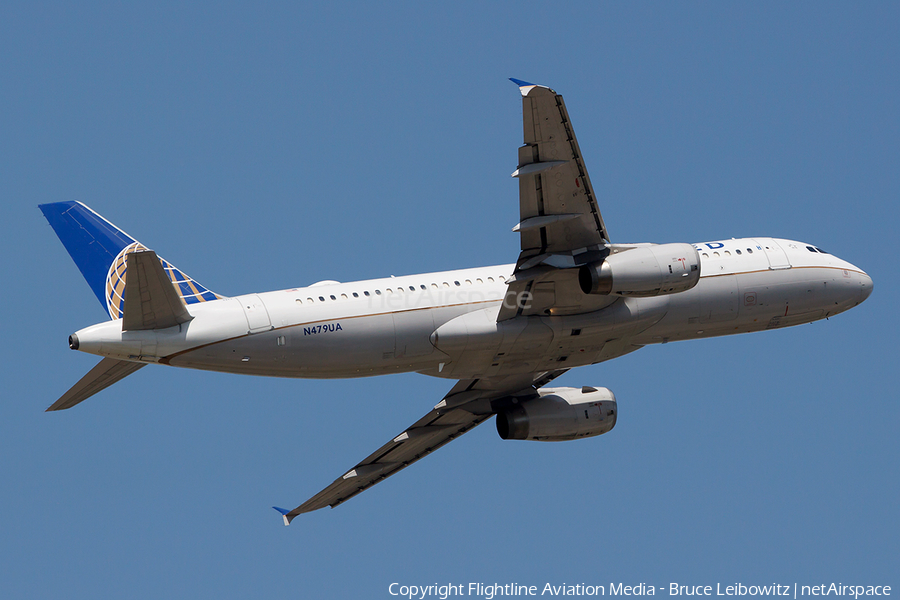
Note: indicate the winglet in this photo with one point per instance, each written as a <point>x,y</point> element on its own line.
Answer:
<point>519,82</point>
<point>525,88</point>
<point>284,515</point>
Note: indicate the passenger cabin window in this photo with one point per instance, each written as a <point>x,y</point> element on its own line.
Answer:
<point>321,298</point>
<point>456,283</point>
<point>749,250</point>
<point>355,295</point>
<point>299,301</point>
<point>738,251</point>
<point>727,253</point>
<point>332,297</point>
<point>366,293</point>
<point>310,300</point>
<point>423,287</point>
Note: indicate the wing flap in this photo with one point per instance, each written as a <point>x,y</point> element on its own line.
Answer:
<point>107,372</point>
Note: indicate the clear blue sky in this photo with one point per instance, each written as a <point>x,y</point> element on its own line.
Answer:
<point>271,145</point>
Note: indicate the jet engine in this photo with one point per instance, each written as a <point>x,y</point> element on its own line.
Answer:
<point>643,271</point>
<point>559,414</point>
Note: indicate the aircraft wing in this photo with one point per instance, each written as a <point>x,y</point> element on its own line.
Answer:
<point>559,221</point>
<point>557,206</point>
<point>469,403</point>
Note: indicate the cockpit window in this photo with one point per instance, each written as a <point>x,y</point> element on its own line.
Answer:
<point>810,248</point>
<point>820,250</point>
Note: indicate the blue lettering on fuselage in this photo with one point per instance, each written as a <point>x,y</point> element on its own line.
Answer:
<point>710,245</point>
<point>324,328</point>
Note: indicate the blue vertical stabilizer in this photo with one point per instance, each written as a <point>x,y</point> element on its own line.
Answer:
<point>92,241</point>
<point>98,248</point>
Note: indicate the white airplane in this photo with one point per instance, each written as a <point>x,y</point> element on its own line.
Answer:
<point>573,298</point>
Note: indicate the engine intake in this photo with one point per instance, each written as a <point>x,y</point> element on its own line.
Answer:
<point>644,271</point>
<point>559,414</point>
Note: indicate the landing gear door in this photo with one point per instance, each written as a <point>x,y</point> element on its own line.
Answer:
<point>256,313</point>
<point>777,257</point>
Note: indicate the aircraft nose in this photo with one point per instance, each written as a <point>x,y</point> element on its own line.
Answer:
<point>866,286</point>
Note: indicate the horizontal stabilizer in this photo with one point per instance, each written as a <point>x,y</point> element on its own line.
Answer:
<point>151,300</point>
<point>107,372</point>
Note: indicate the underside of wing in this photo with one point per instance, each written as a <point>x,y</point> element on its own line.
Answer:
<point>557,207</point>
<point>468,404</point>
<point>420,439</point>
<point>560,224</point>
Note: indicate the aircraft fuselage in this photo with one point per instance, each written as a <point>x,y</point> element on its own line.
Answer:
<point>445,324</point>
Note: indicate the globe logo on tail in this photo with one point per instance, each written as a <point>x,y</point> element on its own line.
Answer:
<point>115,281</point>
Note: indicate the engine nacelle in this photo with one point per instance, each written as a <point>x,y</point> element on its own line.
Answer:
<point>559,414</point>
<point>644,271</point>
